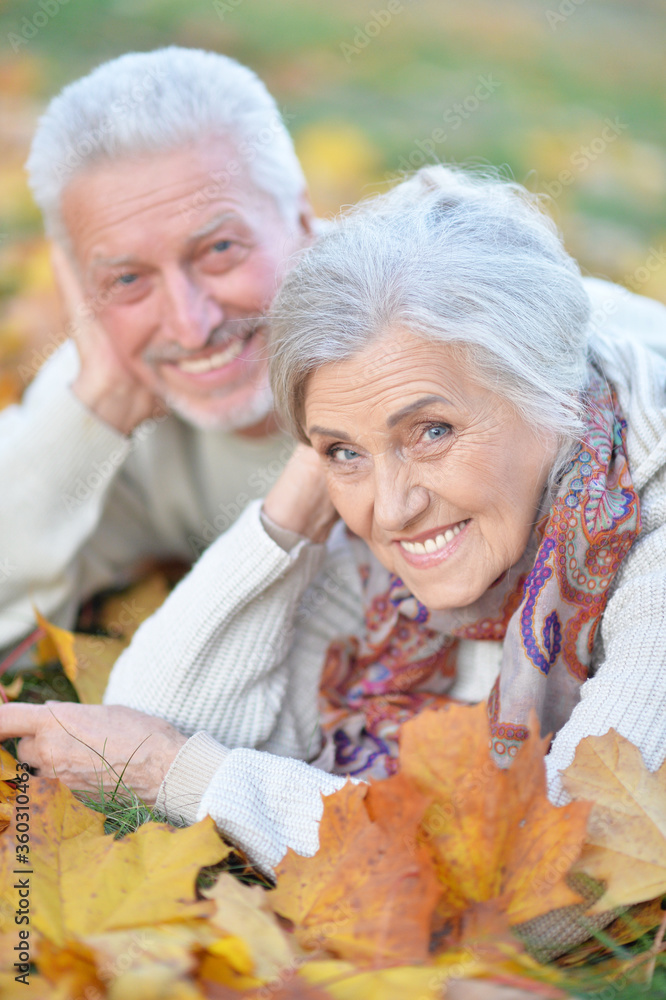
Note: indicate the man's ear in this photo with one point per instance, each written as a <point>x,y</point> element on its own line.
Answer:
<point>306,216</point>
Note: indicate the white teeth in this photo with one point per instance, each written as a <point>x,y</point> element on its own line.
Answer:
<point>436,543</point>
<point>196,366</point>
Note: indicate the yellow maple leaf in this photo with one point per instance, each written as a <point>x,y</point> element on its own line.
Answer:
<point>244,911</point>
<point>88,659</point>
<point>626,843</point>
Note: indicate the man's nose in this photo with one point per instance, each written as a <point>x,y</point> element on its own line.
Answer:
<point>399,498</point>
<point>190,312</point>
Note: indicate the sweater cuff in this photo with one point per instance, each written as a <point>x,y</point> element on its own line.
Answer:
<point>284,537</point>
<point>188,777</point>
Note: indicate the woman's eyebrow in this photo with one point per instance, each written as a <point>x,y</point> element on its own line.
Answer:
<point>327,432</point>
<point>412,407</point>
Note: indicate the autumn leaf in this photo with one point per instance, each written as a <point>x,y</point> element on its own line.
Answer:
<point>7,792</point>
<point>86,659</point>
<point>123,612</point>
<point>493,832</point>
<point>244,911</point>
<point>626,844</point>
<point>625,929</point>
<point>343,981</point>
<point>369,893</point>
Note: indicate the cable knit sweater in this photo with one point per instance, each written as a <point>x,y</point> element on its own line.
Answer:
<point>235,654</point>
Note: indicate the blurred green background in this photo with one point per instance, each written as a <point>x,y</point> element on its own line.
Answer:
<point>569,96</point>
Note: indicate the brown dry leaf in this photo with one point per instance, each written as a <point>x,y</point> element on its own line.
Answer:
<point>493,832</point>
<point>369,893</point>
<point>625,929</point>
<point>244,911</point>
<point>626,844</point>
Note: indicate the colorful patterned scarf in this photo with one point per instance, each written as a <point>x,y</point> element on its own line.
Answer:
<point>545,611</point>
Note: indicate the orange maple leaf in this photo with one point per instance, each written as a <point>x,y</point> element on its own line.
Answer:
<point>369,893</point>
<point>493,832</point>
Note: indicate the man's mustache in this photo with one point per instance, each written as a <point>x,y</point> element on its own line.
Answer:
<point>220,336</point>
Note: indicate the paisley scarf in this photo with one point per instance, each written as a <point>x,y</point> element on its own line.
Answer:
<point>545,612</point>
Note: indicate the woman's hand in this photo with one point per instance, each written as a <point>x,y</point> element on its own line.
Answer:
<point>87,746</point>
<point>299,501</point>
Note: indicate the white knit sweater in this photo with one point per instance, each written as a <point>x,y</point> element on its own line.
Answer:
<point>82,505</point>
<point>235,654</point>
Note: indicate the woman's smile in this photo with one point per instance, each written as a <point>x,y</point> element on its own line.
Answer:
<point>434,546</point>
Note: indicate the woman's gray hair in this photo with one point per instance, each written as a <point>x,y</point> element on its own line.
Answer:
<point>456,257</point>
<point>148,102</point>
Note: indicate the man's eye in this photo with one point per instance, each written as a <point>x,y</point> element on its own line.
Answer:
<point>221,246</point>
<point>126,279</point>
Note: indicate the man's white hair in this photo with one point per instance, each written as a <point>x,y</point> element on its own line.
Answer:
<point>148,102</point>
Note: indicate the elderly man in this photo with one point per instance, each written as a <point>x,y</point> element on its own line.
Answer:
<point>170,188</point>
<point>178,210</point>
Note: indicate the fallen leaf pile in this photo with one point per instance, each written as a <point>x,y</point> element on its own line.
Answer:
<point>419,888</point>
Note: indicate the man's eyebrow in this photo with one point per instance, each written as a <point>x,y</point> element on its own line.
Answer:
<point>205,230</point>
<point>123,261</point>
<point>213,224</point>
<point>395,418</point>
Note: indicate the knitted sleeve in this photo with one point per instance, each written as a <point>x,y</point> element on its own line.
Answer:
<point>237,648</point>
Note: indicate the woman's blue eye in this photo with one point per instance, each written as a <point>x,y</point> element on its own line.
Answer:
<point>221,246</point>
<point>127,279</point>
<point>343,454</point>
<point>437,431</point>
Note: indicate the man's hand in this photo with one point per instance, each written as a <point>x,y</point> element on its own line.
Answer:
<point>299,501</point>
<point>104,383</point>
<point>88,746</point>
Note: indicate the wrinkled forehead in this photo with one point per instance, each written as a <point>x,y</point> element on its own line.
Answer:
<point>391,378</point>
<point>178,191</point>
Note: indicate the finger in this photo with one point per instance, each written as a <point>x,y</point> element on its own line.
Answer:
<point>26,752</point>
<point>20,720</point>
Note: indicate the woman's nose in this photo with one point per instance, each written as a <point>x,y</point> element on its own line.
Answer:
<point>399,498</point>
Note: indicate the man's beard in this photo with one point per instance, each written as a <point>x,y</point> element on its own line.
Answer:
<point>250,413</point>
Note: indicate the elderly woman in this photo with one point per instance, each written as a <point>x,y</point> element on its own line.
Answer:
<point>500,472</point>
